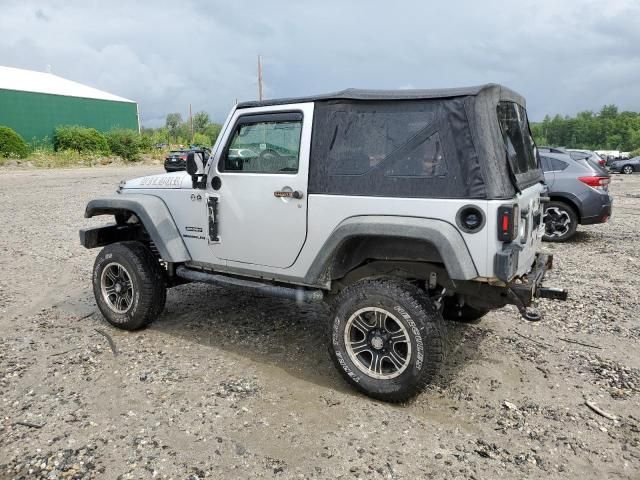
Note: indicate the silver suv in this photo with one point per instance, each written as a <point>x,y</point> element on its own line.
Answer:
<point>398,208</point>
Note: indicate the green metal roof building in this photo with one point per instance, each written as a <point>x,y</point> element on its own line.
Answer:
<point>35,103</point>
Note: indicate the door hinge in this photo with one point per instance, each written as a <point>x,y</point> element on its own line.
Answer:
<point>212,207</point>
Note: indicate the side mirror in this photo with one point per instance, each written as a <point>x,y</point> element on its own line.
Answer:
<point>195,168</point>
<point>195,165</point>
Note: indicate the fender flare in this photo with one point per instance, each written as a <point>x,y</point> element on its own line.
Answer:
<point>443,235</point>
<point>153,214</point>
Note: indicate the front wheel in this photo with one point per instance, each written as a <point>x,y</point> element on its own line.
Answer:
<point>386,338</point>
<point>129,285</point>
<point>627,169</point>
<point>560,222</point>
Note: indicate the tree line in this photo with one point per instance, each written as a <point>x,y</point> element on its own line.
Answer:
<point>607,129</point>
<point>178,131</point>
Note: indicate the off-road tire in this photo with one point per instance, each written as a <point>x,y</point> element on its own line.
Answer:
<point>464,314</point>
<point>573,221</point>
<point>627,170</point>
<point>423,325</point>
<point>147,277</point>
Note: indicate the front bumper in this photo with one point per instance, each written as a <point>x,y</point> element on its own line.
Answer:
<point>530,287</point>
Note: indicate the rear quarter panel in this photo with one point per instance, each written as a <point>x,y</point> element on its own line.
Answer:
<point>326,212</point>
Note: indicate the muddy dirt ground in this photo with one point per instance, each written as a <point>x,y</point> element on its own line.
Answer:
<point>227,385</point>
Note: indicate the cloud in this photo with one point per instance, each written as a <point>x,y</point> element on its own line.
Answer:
<point>562,56</point>
<point>40,15</point>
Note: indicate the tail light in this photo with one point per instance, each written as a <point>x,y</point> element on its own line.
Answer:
<point>600,183</point>
<point>508,218</point>
<point>602,162</point>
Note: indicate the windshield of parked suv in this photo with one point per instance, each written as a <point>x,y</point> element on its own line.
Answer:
<point>518,142</point>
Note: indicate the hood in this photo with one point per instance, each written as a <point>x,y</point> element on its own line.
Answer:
<point>163,180</point>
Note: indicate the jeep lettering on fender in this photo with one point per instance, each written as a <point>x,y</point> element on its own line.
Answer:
<point>400,209</point>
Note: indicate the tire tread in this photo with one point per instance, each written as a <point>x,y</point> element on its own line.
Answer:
<point>434,342</point>
<point>152,284</point>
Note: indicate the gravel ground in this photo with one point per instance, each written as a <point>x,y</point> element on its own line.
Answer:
<point>236,386</point>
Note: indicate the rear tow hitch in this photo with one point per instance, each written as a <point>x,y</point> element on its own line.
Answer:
<point>552,293</point>
<point>529,314</point>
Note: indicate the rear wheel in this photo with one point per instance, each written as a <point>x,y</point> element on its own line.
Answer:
<point>560,222</point>
<point>627,169</point>
<point>386,338</point>
<point>129,285</point>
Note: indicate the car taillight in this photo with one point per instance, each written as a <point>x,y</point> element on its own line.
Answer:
<point>596,182</point>
<point>508,218</point>
<point>602,163</point>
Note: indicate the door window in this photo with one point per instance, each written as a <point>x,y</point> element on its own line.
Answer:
<point>263,145</point>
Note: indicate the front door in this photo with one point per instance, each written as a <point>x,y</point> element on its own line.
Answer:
<point>262,172</point>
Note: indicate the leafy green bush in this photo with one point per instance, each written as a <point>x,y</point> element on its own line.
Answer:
<point>635,153</point>
<point>146,143</point>
<point>201,140</point>
<point>80,139</point>
<point>12,144</point>
<point>125,143</point>
<point>212,131</point>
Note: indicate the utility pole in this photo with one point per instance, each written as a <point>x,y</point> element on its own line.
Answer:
<point>260,97</point>
<point>191,123</point>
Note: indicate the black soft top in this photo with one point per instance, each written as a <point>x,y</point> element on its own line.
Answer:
<point>375,142</point>
<point>499,92</point>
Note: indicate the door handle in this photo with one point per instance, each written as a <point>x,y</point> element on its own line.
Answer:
<point>288,194</point>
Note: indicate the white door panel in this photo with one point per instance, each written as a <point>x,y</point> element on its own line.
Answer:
<point>259,220</point>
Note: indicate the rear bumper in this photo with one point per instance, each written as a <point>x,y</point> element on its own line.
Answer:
<point>531,286</point>
<point>175,167</point>
<point>602,216</point>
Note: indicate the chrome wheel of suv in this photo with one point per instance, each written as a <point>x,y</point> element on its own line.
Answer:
<point>116,287</point>
<point>560,222</point>
<point>129,285</point>
<point>557,222</point>
<point>377,343</point>
<point>386,338</point>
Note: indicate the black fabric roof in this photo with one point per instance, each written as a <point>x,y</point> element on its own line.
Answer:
<point>492,89</point>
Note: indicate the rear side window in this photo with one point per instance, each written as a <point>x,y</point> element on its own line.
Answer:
<point>425,160</point>
<point>400,142</point>
<point>557,165</point>
<point>517,137</point>
<point>407,148</point>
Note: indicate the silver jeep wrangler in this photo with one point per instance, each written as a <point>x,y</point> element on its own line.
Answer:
<point>398,208</point>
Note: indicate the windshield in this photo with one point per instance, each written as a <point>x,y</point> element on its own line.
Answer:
<point>520,147</point>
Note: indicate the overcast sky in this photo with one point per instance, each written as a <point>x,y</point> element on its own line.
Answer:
<point>563,56</point>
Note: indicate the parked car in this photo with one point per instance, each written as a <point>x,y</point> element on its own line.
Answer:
<point>579,193</point>
<point>398,208</point>
<point>176,160</point>
<point>626,166</point>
